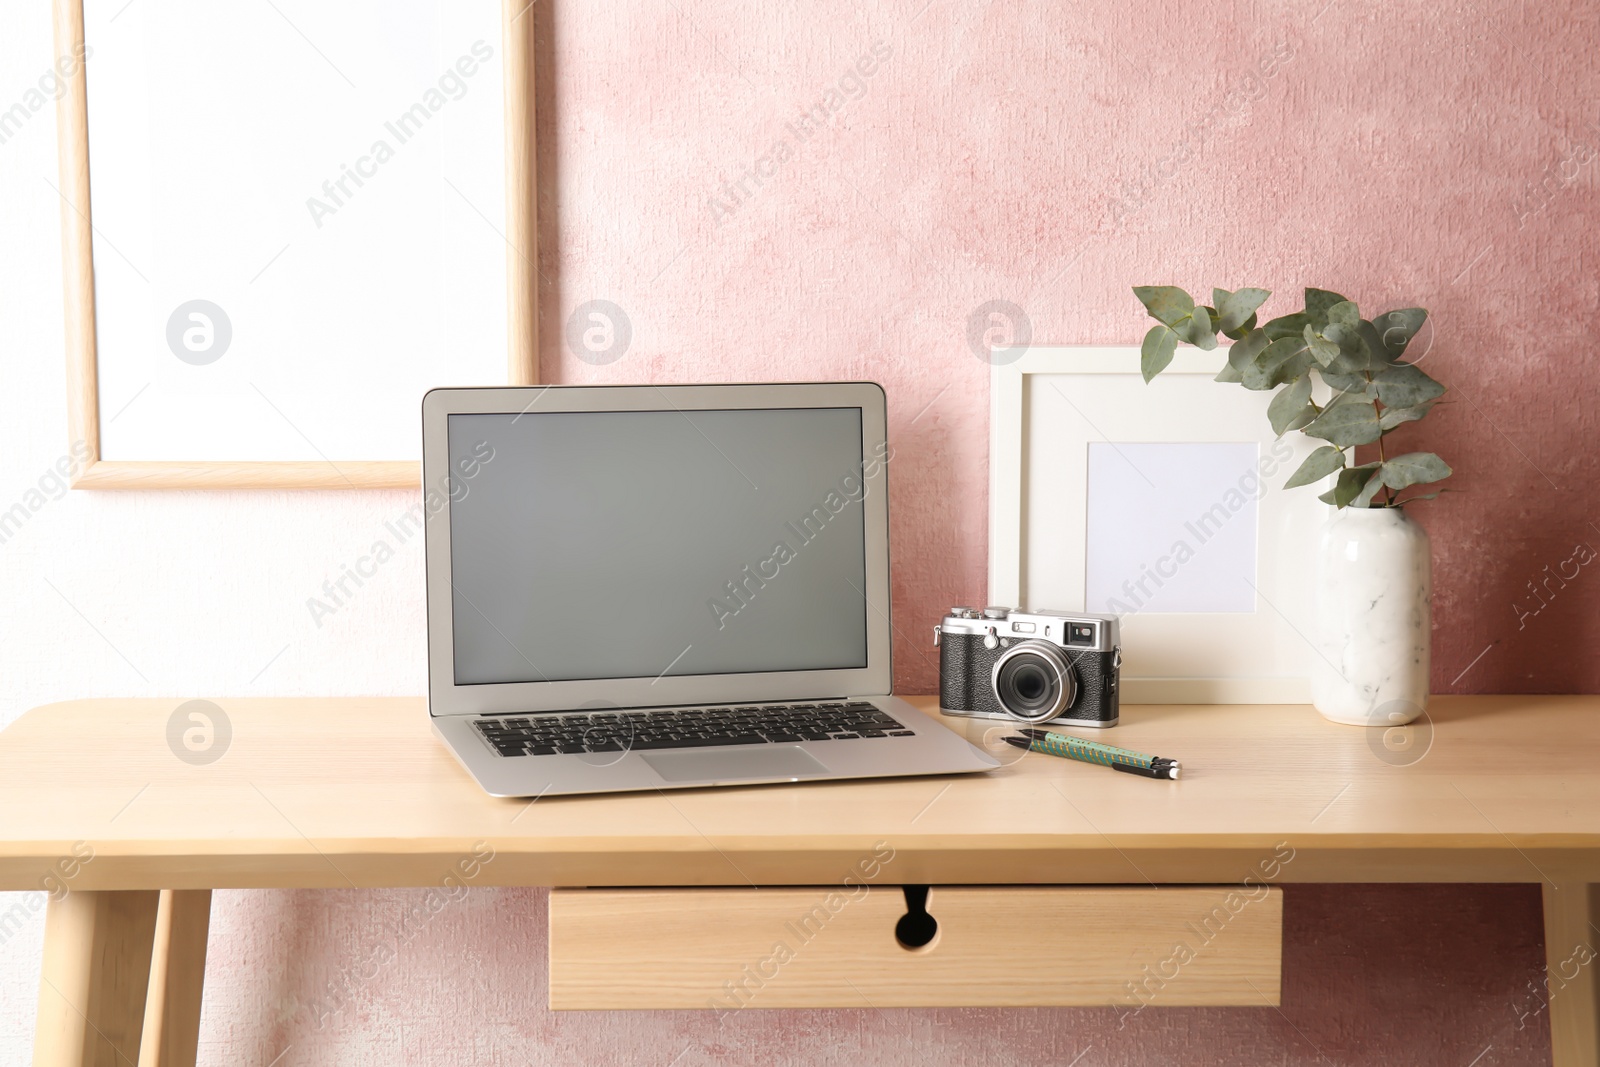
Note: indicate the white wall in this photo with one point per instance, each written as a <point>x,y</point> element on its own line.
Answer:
<point>147,593</point>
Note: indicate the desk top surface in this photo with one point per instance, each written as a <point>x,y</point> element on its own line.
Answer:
<point>358,792</point>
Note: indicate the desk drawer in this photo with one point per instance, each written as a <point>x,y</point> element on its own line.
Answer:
<point>993,946</point>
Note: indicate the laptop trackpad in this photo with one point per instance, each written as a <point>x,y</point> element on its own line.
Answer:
<point>727,765</point>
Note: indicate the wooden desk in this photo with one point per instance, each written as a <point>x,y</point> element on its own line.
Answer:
<point>356,792</point>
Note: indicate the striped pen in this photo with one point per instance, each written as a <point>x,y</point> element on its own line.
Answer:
<point>1068,746</point>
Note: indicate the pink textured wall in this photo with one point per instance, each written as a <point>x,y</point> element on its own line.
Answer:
<point>1368,979</point>
<point>1400,153</point>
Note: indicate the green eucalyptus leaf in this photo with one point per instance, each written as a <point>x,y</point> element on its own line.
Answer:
<point>1228,374</point>
<point>1374,485</point>
<point>1291,407</point>
<point>1419,496</point>
<point>1360,350</point>
<point>1376,355</point>
<point>1324,350</point>
<point>1402,385</point>
<point>1397,328</point>
<point>1348,420</point>
<point>1352,480</point>
<point>1236,331</point>
<point>1169,304</point>
<point>1286,326</point>
<point>1318,301</point>
<point>1349,339</point>
<point>1281,361</point>
<point>1237,308</point>
<point>1393,417</point>
<point>1352,383</point>
<point>1345,313</point>
<point>1156,352</point>
<point>1242,330</point>
<point>1347,366</point>
<point>1321,463</point>
<point>1197,329</point>
<point>1414,468</point>
<point>1243,352</point>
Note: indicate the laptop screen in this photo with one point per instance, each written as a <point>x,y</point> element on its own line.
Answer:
<point>643,544</point>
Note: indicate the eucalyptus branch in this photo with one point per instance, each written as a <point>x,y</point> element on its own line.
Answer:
<point>1374,390</point>
<point>1387,492</point>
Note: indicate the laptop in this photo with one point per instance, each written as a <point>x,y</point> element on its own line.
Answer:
<point>661,587</point>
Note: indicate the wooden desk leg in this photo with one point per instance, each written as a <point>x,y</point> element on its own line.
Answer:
<point>96,971</point>
<point>1571,944</point>
<point>177,979</point>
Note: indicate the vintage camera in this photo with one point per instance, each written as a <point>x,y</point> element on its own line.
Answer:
<point>1006,663</point>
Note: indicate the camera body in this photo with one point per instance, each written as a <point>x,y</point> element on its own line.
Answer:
<point>1030,666</point>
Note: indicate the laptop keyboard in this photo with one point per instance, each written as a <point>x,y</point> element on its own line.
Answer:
<point>559,733</point>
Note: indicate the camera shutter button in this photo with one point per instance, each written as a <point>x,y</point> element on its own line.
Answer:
<point>996,613</point>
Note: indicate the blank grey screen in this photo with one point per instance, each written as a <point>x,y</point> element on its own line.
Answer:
<point>634,544</point>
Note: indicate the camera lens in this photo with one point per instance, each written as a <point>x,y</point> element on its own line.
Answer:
<point>1033,681</point>
<point>1030,683</point>
<point>1026,687</point>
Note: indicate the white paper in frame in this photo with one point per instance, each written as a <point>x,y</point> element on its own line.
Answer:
<point>1161,503</point>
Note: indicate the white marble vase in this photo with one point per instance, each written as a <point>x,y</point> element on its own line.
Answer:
<point>1374,578</point>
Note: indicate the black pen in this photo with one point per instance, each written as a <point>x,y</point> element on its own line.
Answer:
<point>1168,771</point>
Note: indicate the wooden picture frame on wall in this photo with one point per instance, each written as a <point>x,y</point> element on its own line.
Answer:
<point>84,343</point>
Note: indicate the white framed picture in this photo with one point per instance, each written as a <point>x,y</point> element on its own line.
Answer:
<point>1159,503</point>
<point>282,224</point>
